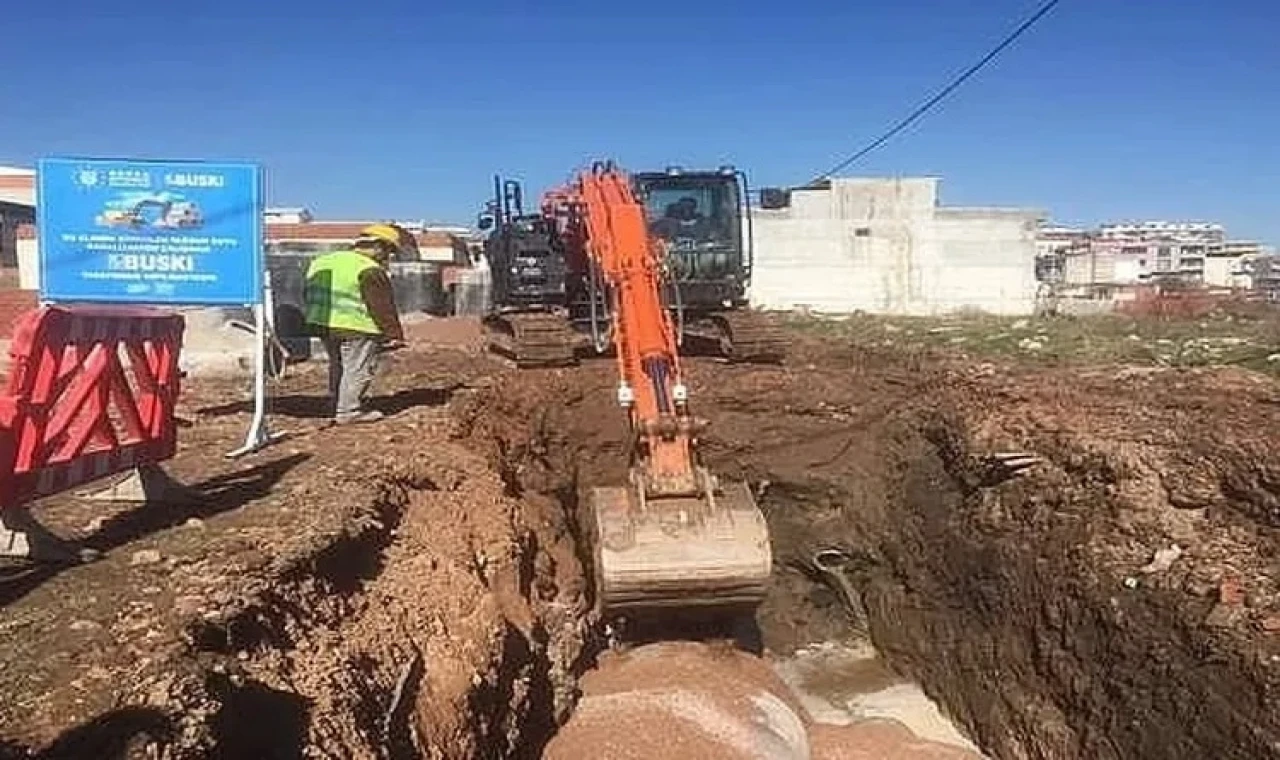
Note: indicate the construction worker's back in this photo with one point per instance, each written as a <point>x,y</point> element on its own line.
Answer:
<point>333,293</point>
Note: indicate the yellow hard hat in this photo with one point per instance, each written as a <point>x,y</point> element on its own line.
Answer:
<point>381,233</point>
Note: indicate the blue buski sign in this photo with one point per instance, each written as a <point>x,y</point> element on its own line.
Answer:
<point>156,232</point>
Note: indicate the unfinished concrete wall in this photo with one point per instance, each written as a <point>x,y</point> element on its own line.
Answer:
<point>884,246</point>
<point>986,261</point>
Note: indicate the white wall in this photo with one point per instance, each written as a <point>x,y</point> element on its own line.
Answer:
<point>1227,271</point>
<point>883,246</point>
<point>28,265</point>
<point>437,253</point>
<point>985,260</point>
<point>1129,269</point>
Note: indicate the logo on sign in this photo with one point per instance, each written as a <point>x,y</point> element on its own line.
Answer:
<point>87,178</point>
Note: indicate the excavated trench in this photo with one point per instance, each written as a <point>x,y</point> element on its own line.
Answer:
<point>1008,598</point>
<point>455,620</point>
<point>450,623</point>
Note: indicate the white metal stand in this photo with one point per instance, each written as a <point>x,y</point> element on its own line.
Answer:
<point>260,435</point>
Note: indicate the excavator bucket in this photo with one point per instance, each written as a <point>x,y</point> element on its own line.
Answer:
<point>660,554</point>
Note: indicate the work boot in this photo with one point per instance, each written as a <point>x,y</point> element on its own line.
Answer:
<point>371,415</point>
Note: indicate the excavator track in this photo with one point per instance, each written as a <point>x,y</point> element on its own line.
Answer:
<point>748,338</point>
<point>531,340</point>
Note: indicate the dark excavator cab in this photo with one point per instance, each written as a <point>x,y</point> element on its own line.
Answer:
<point>704,218</point>
<point>526,261</point>
<point>531,282</point>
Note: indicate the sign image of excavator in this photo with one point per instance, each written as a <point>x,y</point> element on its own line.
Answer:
<point>157,212</point>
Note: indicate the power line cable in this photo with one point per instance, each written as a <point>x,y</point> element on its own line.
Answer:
<point>926,106</point>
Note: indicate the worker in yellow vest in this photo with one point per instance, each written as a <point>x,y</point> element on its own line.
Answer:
<point>351,305</point>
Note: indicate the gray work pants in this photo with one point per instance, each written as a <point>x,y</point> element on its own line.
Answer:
<point>352,364</point>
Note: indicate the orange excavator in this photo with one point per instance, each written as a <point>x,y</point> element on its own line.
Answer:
<point>673,537</point>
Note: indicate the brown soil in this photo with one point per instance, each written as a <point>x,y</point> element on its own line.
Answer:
<point>348,592</point>
<point>1019,603</point>
<point>686,700</point>
<point>415,587</point>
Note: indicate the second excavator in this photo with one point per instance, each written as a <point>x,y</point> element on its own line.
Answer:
<point>673,537</point>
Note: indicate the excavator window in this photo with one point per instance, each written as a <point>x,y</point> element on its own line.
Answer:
<point>698,212</point>
<point>699,218</point>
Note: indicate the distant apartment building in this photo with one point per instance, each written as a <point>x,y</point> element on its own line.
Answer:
<point>1053,239</point>
<point>1052,245</point>
<point>1112,255</point>
<point>1264,274</point>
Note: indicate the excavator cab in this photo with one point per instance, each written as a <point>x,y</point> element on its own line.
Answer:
<point>703,219</point>
<point>548,300</point>
<point>700,215</point>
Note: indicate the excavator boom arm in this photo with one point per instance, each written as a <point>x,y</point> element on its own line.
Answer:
<point>673,538</point>
<point>650,381</point>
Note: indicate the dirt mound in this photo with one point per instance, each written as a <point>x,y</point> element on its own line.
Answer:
<point>1117,585</point>
<point>464,629</point>
<point>351,593</point>
<point>1037,609</point>
<point>682,700</point>
<point>713,701</point>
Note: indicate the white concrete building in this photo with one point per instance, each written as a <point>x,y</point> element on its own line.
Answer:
<point>885,246</point>
<point>1054,239</point>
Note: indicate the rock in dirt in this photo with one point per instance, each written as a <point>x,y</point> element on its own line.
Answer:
<point>1163,560</point>
<point>1224,616</point>
<point>145,557</point>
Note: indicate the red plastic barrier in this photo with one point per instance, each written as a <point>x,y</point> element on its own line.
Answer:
<point>70,414</point>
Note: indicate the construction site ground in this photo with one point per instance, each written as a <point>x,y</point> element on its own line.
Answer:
<point>415,587</point>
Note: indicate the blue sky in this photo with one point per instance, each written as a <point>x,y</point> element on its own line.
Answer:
<point>1105,110</point>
